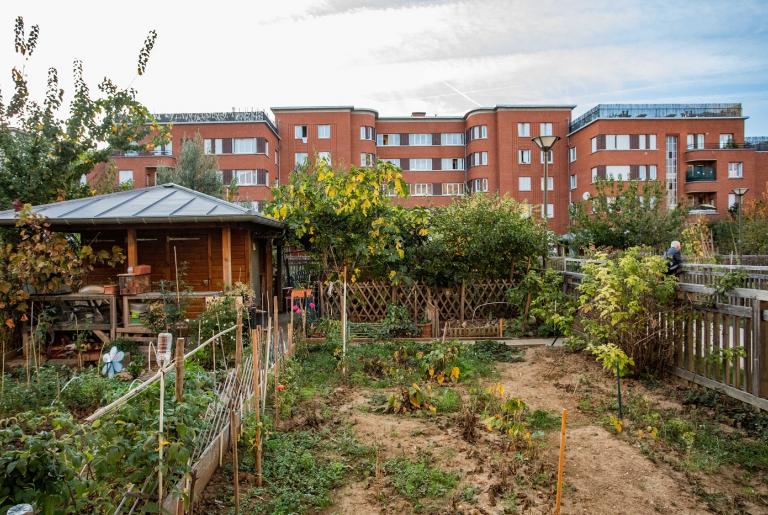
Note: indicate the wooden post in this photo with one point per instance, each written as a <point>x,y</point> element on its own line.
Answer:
<point>256,351</point>
<point>757,341</point>
<point>762,352</point>
<point>561,463</point>
<point>290,339</point>
<point>344,324</point>
<point>179,369</point>
<point>233,437</point>
<point>226,255</point>
<point>268,272</point>
<point>462,299</point>
<point>239,342</point>
<point>132,250</point>
<point>276,350</point>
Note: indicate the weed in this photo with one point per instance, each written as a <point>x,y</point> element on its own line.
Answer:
<point>496,351</point>
<point>541,420</point>
<point>447,400</point>
<point>469,494</point>
<point>418,482</point>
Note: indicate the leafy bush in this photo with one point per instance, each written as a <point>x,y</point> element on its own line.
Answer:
<point>397,323</point>
<point>540,301</point>
<point>493,350</point>
<point>619,301</point>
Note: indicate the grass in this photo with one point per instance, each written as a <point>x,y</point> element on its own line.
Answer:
<point>541,420</point>
<point>418,482</point>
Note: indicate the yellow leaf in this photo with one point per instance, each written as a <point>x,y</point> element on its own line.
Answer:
<point>423,231</point>
<point>455,373</point>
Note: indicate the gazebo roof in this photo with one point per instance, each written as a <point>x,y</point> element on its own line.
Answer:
<point>167,203</point>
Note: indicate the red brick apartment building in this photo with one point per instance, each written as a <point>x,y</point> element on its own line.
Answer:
<point>697,150</point>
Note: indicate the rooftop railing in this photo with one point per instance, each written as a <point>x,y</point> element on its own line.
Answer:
<point>730,110</point>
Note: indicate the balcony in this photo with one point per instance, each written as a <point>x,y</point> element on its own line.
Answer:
<point>701,173</point>
<point>657,111</point>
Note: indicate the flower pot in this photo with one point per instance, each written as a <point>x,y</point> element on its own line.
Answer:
<point>110,289</point>
<point>425,330</point>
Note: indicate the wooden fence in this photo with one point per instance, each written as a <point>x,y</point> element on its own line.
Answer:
<point>723,347</point>
<point>368,301</point>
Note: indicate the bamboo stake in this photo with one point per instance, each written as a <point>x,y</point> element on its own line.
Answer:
<point>344,325</point>
<point>276,351</point>
<point>160,438</point>
<point>561,462</point>
<point>239,342</point>
<point>256,350</point>
<point>179,369</point>
<point>290,339</point>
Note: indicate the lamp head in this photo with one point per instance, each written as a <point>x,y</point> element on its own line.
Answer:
<point>739,192</point>
<point>545,142</point>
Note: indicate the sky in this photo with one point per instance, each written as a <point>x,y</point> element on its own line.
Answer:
<point>395,56</point>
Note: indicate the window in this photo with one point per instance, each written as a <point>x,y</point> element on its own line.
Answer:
<point>726,140</point>
<point>479,185</point>
<point>735,171</point>
<point>163,150</point>
<point>323,132</point>
<point>545,129</point>
<point>478,159</point>
<point>324,156</point>
<point>300,158</point>
<point>367,159</point>
<point>395,162</point>
<point>617,142</point>
<point>594,175</point>
<point>524,183</point>
<point>300,132</point>
<point>125,176</point>
<point>550,183</point>
<point>550,210</point>
<point>420,189</point>
<point>594,144</point>
<point>213,146</point>
<point>572,154</point>
<point>644,142</point>
<point>385,140</point>
<point>524,157</point>
<point>419,139</point>
<point>617,173</point>
<point>524,129</point>
<point>251,177</point>
<point>695,141</point>
<point>453,189</point>
<point>478,132</point>
<point>256,206</point>
<point>452,163</point>
<point>366,132</point>
<point>652,172</point>
<point>452,138</point>
<point>732,201</point>
<point>550,155</point>
<point>573,182</point>
<point>420,164</point>
<point>244,146</point>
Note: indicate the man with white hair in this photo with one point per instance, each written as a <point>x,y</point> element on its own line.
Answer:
<point>674,258</point>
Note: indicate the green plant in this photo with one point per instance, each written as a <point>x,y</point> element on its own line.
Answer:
<point>196,170</point>
<point>620,298</point>
<point>725,284</point>
<point>418,482</point>
<point>540,301</point>
<point>493,350</point>
<point>612,358</point>
<point>397,322</point>
<point>411,399</point>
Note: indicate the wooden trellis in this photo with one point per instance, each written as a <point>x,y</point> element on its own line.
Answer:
<point>367,301</point>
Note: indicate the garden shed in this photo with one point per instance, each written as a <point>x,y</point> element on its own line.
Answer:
<point>214,243</point>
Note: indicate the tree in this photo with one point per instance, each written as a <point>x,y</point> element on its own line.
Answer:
<point>105,181</point>
<point>626,214</point>
<point>346,217</point>
<point>479,237</point>
<point>195,170</point>
<point>44,156</point>
<point>754,228</point>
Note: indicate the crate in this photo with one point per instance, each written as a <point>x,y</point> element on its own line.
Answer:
<point>132,284</point>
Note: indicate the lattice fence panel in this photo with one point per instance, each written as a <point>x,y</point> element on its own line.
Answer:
<point>448,302</point>
<point>367,302</point>
<point>413,297</point>
<point>486,299</point>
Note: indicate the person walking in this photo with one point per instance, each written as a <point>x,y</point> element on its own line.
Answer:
<point>674,259</point>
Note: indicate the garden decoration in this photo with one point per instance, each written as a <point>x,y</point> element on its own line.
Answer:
<point>163,355</point>
<point>113,362</point>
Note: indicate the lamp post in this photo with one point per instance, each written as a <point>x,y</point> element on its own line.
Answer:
<point>739,192</point>
<point>545,143</point>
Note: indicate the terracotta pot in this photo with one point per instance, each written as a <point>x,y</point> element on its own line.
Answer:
<point>110,289</point>
<point>425,330</point>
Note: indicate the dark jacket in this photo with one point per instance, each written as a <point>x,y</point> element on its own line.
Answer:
<point>674,261</point>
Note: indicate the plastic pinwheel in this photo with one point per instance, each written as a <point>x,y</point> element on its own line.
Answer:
<point>113,362</point>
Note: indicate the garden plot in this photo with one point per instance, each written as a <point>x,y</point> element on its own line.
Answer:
<point>487,441</point>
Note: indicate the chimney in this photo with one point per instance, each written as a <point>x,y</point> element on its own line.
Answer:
<point>418,114</point>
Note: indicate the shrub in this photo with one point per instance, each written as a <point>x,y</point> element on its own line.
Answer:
<point>417,481</point>
<point>619,302</point>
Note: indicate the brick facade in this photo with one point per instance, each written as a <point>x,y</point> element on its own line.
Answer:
<point>443,157</point>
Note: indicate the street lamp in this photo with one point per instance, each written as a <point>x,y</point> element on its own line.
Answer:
<point>739,192</point>
<point>545,143</point>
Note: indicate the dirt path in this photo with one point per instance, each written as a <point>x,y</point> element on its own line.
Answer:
<point>602,473</point>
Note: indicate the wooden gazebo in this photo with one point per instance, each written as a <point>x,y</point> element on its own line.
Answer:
<point>219,243</point>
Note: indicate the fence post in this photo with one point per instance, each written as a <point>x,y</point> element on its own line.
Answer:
<point>276,351</point>
<point>461,301</point>
<point>233,437</point>
<point>239,342</point>
<point>256,351</point>
<point>757,343</point>
<point>762,351</point>
<point>290,339</point>
<point>179,369</point>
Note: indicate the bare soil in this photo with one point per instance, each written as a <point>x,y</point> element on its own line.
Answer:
<point>605,473</point>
